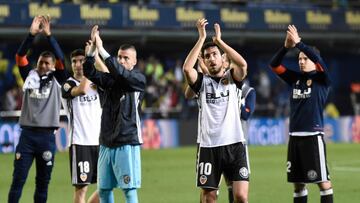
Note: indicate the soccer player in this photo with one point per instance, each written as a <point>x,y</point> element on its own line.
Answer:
<point>306,161</point>
<point>84,116</point>
<point>40,112</point>
<point>119,164</point>
<point>222,142</point>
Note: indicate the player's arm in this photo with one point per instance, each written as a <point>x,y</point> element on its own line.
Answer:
<point>82,88</point>
<point>276,65</point>
<point>189,93</point>
<point>67,88</point>
<point>100,65</point>
<point>190,73</point>
<point>101,79</point>
<point>60,72</point>
<point>240,68</point>
<point>309,52</point>
<point>249,107</point>
<point>21,58</point>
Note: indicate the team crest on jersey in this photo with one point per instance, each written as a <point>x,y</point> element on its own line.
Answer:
<point>17,156</point>
<point>309,82</point>
<point>203,179</point>
<point>47,155</point>
<point>243,172</point>
<point>126,179</point>
<point>83,177</point>
<point>67,87</point>
<point>225,81</point>
<point>312,175</point>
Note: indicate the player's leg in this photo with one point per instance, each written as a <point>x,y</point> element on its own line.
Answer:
<point>209,173</point>
<point>326,192</point>
<point>240,191</point>
<point>127,167</point>
<point>230,190</point>
<point>80,193</point>
<point>106,177</point>
<point>300,193</point>
<point>209,195</point>
<point>22,163</point>
<point>44,164</point>
<point>94,197</point>
<point>237,170</point>
<point>83,162</point>
<point>295,172</point>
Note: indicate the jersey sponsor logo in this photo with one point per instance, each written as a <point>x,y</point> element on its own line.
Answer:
<point>83,177</point>
<point>67,87</point>
<point>312,175</point>
<point>47,155</point>
<point>243,172</point>
<point>214,98</point>
<point>87,98</point>
<point>126,179</point>
<point>17,155</point>
<point>43,94</point>
<point>203,179</point>
<point>301,94</point>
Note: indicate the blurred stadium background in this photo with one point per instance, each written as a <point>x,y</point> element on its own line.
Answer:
<point>163,32</point>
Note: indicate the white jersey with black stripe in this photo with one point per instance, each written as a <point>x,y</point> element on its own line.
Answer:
<point>84,116</point>
<point>219,118</point>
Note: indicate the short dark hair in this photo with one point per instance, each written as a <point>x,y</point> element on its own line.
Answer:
<point>207,45</point>
<point>47,54</point>
<point>127,46</point>
<point>77,52</point>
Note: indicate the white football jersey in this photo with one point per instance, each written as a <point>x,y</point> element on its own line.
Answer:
<point>219,116</point>
<point>84,116</point>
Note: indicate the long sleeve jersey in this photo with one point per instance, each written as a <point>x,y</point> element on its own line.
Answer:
<point>123,93</point>
<point>309,92</point>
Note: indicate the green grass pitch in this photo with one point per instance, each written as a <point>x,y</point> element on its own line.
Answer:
<point>169,176</point>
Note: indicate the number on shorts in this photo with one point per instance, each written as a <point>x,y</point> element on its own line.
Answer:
<point>84,166</point>
<point>205,168</point>
<point>288,166</point>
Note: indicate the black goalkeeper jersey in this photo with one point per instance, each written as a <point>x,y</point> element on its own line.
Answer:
<point>309,92</point>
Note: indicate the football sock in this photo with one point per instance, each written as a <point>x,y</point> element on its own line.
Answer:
<point>231,195</point>
<point>301,196</point>
<point>326,196</point>
<point>131,195</point>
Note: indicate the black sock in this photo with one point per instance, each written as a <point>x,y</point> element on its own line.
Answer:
<point>301,197</point>
<point>231,195</point>
<point>326,196</point>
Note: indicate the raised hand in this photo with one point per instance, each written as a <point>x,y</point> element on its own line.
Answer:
<point>200,24</point>
<point>293,34</point>
<point>98,41</point>
<point>45,22</point>
<point>289,43</point>
<point>35,27</point>
<point>94,31</point>
<point>217,36</point>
